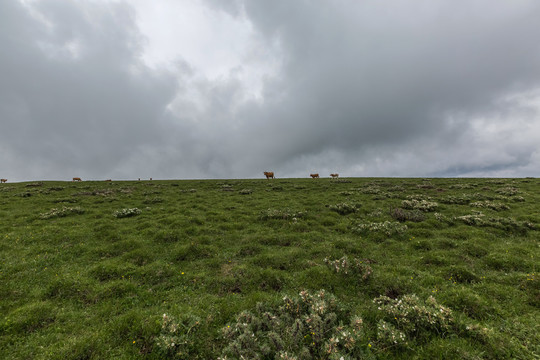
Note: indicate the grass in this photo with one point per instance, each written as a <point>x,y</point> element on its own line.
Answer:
<point>410,268</point>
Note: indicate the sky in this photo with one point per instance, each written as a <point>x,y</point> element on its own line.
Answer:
<point>205,89</point>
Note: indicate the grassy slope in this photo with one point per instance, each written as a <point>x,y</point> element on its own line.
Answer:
<point>92,285</point>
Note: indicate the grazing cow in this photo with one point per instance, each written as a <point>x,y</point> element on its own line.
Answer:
<point>269,174</point>
<point>3,180</point>
<point>77,179</point>
<point>108,180</point>
<point>334,176</point>
<point>315,176</point>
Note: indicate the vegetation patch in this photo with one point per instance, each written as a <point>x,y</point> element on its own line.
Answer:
<point>128,212</point>
<point>237,273</point>
<point>64,211</point>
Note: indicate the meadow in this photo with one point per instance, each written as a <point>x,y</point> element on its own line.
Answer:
<point>357,268</point>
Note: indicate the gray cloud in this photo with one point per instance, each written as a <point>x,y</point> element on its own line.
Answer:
<point>438,88</point>
<point>75,99</point>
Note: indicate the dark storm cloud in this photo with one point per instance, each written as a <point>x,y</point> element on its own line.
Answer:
<point>371,88</point>
<point>75,100</point>
<point>359,76</point>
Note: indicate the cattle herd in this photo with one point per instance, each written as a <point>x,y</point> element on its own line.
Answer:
<point>268,174</point>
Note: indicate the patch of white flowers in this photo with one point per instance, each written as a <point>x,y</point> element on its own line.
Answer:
<point>126,213</point>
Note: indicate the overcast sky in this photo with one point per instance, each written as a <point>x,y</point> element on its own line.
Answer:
<point>179,89</point>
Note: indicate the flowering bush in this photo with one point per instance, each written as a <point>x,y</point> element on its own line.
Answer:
<point>307,326</point>
<point>177,338</point>
<point>64,211</point>
<point>409,316</point>
<point>490,205</point>
<point>126,213</point>
<point>508,224</point>
<point>344,208</point>
<point>507,191</point>
<point>422,205</point>
<point>350,267</point>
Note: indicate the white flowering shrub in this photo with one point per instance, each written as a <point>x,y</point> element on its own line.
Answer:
<point>126,213</point>
<point>178,336</point>
<point>409,316</point>
<point>507,224</point>
<point>422,205</point>
<point>389,335</point>
<point>307,326</point>
<point>388,228</point>
<point>354,267</point>
<point>64,211</point>
<point>507,191</point>
<point>344,208</point>
<point>490,205</point>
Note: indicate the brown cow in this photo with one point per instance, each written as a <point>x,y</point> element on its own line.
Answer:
<point>77,179</point>
<point>269,174</point>
<point>334,176</point>
<point>3,180</point>
<point>315,176</point>
<point>108,180</point>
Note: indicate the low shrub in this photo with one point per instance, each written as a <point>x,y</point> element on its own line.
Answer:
<point>64,211</point>
<point>307,326</point>
<point>178,336</point>
<point>422,205</point>
<point>344,208</point>
<point>402,215</point>
<point>388,228</point>
<point>355,267</point>
<point>408,316</point>
<point>490,205</point>
<point>124,213</point>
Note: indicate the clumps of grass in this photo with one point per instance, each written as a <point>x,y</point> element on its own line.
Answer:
<point>422,205</point>
<point>227,187</point>
<point>507,224</point>
<point>34,184</point>
<point>307,326</point>
<point>178,337</point>
<point>508,191</point>
<point>402,215</point>
<point>344,208</point>
<point>245,192</point>
<point>463,199</point>
<point>410,317</point>
<point>281,214</point>
<point>490,205</point>
<point>64,211</point>
<point>124,213</point>
<point>354,267</point>
<point>475,219</point>
<point>388,228</point>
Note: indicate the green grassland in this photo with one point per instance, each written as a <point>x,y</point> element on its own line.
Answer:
<point>284,268</point>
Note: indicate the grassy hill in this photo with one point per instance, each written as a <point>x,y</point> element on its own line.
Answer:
<point>285,268</point>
